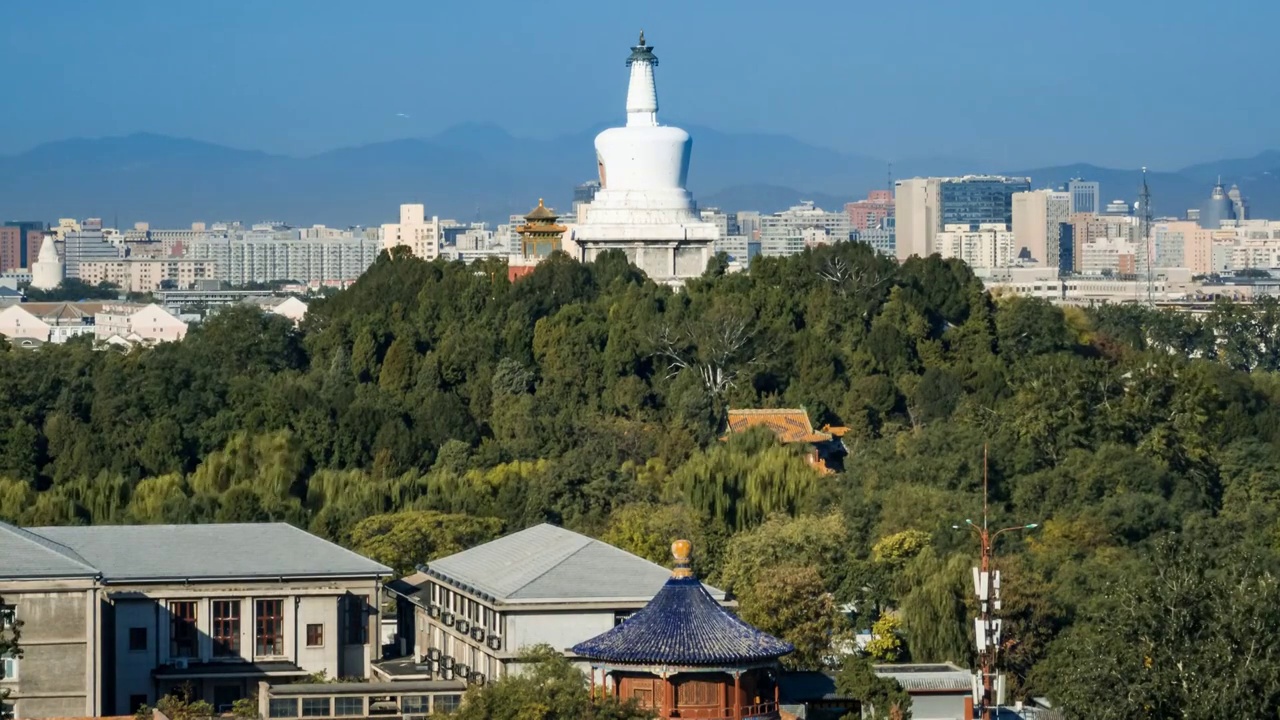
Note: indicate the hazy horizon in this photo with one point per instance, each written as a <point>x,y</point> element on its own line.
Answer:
<point>1007,84</point>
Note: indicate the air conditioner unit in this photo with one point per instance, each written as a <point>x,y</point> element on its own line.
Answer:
<point>447,618</point>
<point>446,662</point>
<point>434,611</point>
<point>433,653</point>
<point>462,670</point>
<point>477,678</point>
<point>495,642</point>
<point>446,675</point>
<point>463,626</point>
<point>477,633</point>
<point>179,663</point>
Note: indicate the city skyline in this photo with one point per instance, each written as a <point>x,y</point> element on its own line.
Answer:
<point>294,79</point>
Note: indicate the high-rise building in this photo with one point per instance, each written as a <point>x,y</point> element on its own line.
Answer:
<point>423,237</point>
<point>1217,209</point>
<point>32,234</point>
<point>642,207</point>
<point>871,213</point>
<point>583,194</point>
<point>979,199</point>
<point>11,248</point>
<point>916,215</point>
<point>749,223</point>
<point>1086,196</point>
<point>986,247</point>
<point>924,205</point>
<point>1239,203</point>
<point>86,246</point>
<point>1039,217</point>
<point>784,229</point>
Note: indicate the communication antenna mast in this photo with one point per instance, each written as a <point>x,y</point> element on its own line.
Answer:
<point>988,685</point>
<point>1144,206</point>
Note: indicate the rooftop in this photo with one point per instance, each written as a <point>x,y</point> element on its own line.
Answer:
<point>939,677</point>
<point>791,425</point>
<point>24,554</point>
<point>182,552</point>
<point>683,626</point>
<point>546,563</point>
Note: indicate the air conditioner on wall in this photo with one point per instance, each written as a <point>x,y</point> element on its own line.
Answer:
<point>463,626</point>
<point>477,633</point>
<point>495,642</point>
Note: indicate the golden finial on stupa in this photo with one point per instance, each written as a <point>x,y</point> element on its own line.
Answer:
<point>681,550</point>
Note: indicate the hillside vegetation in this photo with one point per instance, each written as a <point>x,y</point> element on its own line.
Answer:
<point>433,406</point>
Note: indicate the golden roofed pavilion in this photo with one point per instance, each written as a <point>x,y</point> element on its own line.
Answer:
<point>792,425</point>
<point>540,235</point>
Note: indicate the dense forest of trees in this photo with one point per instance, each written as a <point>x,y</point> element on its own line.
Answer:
<point>432,406</point>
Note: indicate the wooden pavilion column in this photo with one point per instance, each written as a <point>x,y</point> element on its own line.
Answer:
<point>737,696</point>
<point>668,704</point>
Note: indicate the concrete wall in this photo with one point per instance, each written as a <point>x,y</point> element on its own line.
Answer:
<point>57,674</point>
<point>559,630</point>
<point>939,707</point>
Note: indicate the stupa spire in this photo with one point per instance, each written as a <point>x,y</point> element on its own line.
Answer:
<point>642,91</point>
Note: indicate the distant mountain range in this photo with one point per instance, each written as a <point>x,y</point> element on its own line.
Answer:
<point>478,171</point>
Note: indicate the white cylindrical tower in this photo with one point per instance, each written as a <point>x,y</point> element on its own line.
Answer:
<point>642,91</point>
<point>47,271</point>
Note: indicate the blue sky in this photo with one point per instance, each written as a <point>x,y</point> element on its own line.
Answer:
<point>1016,83</point>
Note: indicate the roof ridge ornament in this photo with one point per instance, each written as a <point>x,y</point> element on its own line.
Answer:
<point>682,550</point>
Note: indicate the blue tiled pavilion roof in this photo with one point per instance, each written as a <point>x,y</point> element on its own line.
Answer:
<point>683,626</point>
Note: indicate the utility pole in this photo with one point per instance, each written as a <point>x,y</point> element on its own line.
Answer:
<point>986,583</point>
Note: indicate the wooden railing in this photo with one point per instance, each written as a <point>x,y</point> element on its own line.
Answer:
<point>759,710</point>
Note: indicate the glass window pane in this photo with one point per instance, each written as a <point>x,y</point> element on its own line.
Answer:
<point>345,706</point>
<point>283,707</point>
<point>315,707</point>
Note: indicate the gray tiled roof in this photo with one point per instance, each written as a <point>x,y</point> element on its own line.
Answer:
<point>928,677</point>
<point>24,554</point>
<point>546,563</point>
<point>154,552</point>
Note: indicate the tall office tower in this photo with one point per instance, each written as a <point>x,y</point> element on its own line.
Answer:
<point>1217,209</point>
<point>924,205</point>
<point>1086,196</point>
<point>916,216</point>
<point>422,236</point>
<point>642,207</point>
<point>86,246</point>
<point>1039,217</point>
<point>1239,203</point>
<point>583,194</point>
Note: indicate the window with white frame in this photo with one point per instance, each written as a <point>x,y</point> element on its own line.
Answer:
<point>8,667</point>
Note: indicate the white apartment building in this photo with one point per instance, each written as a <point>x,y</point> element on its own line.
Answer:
<point>781,228</point>
<point>130,323</point>
<point>989,247</point>
<point>279,254</point>
<point>423,237</point>
<point>147,274</point>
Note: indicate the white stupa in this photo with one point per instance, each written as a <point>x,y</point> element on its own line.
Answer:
<point>642,207</point>
<point>47,271</point>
